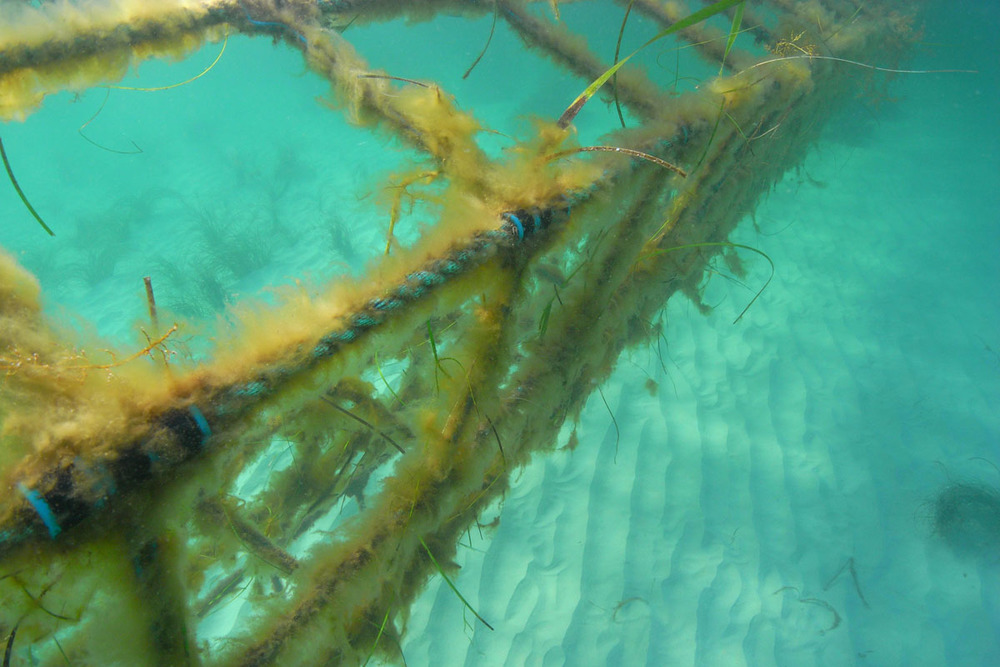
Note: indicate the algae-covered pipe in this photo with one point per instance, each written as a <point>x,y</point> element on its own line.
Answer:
<point>70,492</point>
<point>44,50</point>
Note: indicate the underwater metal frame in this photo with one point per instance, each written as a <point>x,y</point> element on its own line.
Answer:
<point>128,510</point>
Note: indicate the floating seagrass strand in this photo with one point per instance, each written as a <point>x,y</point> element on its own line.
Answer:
<point>20,192</point>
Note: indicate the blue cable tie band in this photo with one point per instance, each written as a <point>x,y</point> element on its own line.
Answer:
<point>41,508</point>
<point>200,420</point>
<point>269,24</point>
<point>511,217</point>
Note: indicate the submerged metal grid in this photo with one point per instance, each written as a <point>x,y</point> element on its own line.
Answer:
<point>324,463</point>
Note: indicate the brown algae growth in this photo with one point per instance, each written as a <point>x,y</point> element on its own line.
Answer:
<point>381,416</point>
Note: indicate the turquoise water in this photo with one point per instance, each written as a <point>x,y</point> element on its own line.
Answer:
<point>776,502</point>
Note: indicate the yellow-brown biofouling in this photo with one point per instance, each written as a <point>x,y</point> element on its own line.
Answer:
<point>379,417</point>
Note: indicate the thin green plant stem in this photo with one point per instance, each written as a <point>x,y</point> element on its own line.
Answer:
<point>225,42</point>
<point>692,19</point>
<point>381,629</point>
<point>38,600</point>
<point>737,126</point>
<point>496,434</point>
<point>10,645</point>
<point>493,28</point>
<point>734,30</point>
<point>388,386</point>
<point>618,50</point>
<point>389,77</point>
<point>362,422</point>
<point>843,25</point>
<point>61,651</point>
<point>711,137</point>
<point>888,70</point>
<point>726,244</point>
<point>205,71</point>
<point>20,192</point>
<point>107,94</point>
<point>614,422</point>
<point>451,585</point>
<point>631,152</point>
<point>543,321</point>
<point>438,361</point>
